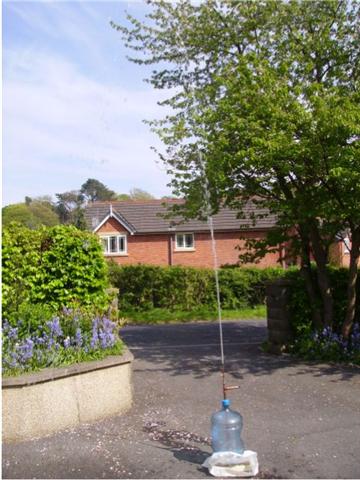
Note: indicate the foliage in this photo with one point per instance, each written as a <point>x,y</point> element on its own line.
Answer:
<point>327,343</point>
<point>29,317</point>
<point>268,93</point>
<point>32,215</point>
<point>69,337</point>
<point>135,194</point>
<point>144,287</point>
<point>139,194</point>
<point>93,190</point>
<point>69,206</point>
<point>300,306</point>
<point>53,266</point>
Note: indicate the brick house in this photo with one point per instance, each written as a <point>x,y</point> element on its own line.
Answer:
<point>134,232</point>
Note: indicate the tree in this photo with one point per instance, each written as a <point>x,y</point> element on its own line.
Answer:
<point>32,215</point>
<point>70,208</point>
<point>266,108</point>
<point>93,190</point>
<point>123,197</point>
<point>45,212</point>
<point>135,194</point>
<point>139,194</point>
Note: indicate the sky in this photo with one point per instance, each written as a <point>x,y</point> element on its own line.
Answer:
<point>73,105</point>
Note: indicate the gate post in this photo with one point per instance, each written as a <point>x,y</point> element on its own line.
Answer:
<point>114,301</point>
<point>278,315</point>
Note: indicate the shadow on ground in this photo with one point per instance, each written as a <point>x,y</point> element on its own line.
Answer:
<point>194,349</point>
<point>183,444</point>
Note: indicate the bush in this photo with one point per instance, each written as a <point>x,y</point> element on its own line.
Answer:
<point>144,287</point>
<point>300,307</point>
<point>326,344</point>
<point>69,337</point>
<point>54,266</point>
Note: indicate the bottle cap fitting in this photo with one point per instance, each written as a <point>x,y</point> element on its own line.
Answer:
<point>226,403</point>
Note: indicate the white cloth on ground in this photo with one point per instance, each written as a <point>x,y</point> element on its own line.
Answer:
<point>231,464</point>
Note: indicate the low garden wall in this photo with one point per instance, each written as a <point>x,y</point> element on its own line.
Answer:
<point>45,402</point>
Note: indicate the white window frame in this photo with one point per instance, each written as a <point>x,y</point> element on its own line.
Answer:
<point>118,237</point>
<point>184,248</point>
<point>347,245</point>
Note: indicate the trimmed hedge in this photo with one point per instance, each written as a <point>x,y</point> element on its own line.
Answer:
<point>55,266</point>
<point>143,287</point>
<point>300,305</point>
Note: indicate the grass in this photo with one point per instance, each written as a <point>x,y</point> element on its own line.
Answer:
<point>162,315</point>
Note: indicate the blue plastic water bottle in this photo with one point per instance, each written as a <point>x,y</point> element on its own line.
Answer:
<point>226,426</point>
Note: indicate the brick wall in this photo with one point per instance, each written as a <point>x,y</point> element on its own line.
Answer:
<point>154,249</point>
<point>227,252</point>
<point>338,255</point>
<point>150,249</point>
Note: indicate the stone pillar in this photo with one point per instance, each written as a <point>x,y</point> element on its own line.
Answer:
<point>114,301</point>
<point>278,315</point>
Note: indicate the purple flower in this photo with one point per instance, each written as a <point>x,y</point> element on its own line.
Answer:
<point>67,342</point>
<point>9,331</point>
<point>103,333</point>
<point>54,326</point>
<point>78,338</point>
<point>26,350</point>
<point>95,337</point>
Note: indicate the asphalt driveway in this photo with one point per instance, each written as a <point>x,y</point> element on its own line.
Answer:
<point>302,419</point>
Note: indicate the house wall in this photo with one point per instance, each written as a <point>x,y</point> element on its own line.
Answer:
<point>154,249</point>
<point>226,249</point>
<point>338,255</point>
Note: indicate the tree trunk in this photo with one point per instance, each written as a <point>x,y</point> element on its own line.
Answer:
<point>320,256</point>
<point>305,271</point>
<point>351,287</point>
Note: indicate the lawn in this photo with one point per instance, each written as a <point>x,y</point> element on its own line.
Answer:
<point>163,315</point>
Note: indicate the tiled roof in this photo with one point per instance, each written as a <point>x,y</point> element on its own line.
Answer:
<point>146,217</point>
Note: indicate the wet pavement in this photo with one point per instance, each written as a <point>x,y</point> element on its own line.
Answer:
<point>303,419</point>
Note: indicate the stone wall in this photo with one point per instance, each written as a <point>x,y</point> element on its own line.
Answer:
<point>278,315</point>
<point>40,403</point>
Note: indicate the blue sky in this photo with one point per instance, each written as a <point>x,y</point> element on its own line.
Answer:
<point>73,104</point>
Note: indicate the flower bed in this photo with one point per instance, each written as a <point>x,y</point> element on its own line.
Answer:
<point>61,370</point>
<point>329,346</point>
<point>34,339</point>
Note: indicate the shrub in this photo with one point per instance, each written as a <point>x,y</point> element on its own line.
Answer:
<point>69,337</point>
<point>29,317</point>
<point>326,344</point>
<point>300,307</point>
<point>53,266</point>
<point>144,287</point>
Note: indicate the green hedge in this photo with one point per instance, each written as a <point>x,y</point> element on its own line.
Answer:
<point>299,303</point>
<point>143,287</point>
<point>326,344</point>
<point>55,266</point>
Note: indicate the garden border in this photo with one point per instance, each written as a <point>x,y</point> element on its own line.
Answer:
<point>40,403</point>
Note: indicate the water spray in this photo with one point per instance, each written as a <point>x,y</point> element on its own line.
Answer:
<point>229,458</point>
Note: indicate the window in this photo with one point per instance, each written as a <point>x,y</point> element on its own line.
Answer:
<point>114,244</point>
<point>347,245</point>
<point>184,241</point>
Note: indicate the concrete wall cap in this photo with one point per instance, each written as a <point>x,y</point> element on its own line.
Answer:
<point>49,374</point>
